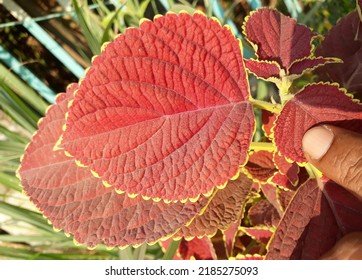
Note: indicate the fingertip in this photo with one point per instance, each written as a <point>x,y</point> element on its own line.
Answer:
<point>317,141</point>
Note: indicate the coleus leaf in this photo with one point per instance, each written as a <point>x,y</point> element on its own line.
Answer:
<point>278,37</point>
<point>282,42</point>
<point>198,249</point>
<point>194,249</point>
<point>164,112</point>
<point>79,204</point>
<point>270,192</point>
<point>315,104</point>
<point>289,169</point>
<point>226,207</point>
<point>264,213</point>
<point>268,119</point>
<point>314,220</point>
<point>229,237</point>
<point>344,41</point>
<point>284,197</point>
<point>261,233</point>
<point>263,69</point>
<point>260,166</point>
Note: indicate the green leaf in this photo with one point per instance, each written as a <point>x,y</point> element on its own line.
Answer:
<point>22,89</point>
<point>25,215</point>
<point>93,42</point>
<point>10,181</point>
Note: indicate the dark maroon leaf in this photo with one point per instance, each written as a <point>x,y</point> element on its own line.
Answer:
<point>314,221</point>
<point>315,104</point>
<point>344,41</point>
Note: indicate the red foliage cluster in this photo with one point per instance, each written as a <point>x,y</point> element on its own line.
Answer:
<point>155,142</point>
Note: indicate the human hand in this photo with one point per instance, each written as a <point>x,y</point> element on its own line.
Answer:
<point>338,154</point>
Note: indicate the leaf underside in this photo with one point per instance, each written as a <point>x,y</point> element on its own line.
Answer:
<point>77,202</point>
<point>164,112</point>
<point>315,104</point>
<point>314,221</point>
<point>225,208</point>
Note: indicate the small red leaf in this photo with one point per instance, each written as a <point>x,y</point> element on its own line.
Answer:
<point>261,233</point>
<point>271,194</point>
<point>164,111</point>
<point>77,202</point>
<point>315,104</point>
<point>276,37</point>
<point>260,166</point>
<point>289,169</point>
<point>198,249</point>
<point>229,236</point>
<point>308,64</point>
<point>264,213</point>
<point>344,41</point>
<point>263,69</point>
<point>225,208</point>
<point>268,119</point>
<point>314,221</point>
<point>282,181</point>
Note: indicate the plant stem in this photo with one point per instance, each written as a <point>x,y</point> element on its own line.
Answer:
<point>171,250</point>
<point>126,253</point>
<point>262,146</point>
<point>275,108</point>
<point>140,252</point>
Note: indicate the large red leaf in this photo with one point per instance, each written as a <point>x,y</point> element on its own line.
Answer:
<point>226,207</point>
<point>315,104</point>
<point>314,221</point>
<point>345,42</point>
<point>77,202</point>
<point>277,37</point>
<point>164,111</point>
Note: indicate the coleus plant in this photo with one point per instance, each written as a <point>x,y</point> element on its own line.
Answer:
<point>155,144</point>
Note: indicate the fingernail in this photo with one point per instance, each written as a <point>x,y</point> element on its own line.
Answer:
<point>317,141</point>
